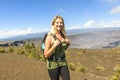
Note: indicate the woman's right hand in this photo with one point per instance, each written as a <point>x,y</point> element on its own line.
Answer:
<point>56,43</point>
<point>67,41</point>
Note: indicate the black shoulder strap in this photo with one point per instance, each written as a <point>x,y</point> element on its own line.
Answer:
<point>44,38</point>
<point>54,36</point>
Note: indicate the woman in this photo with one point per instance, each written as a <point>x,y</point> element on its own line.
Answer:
<point>55,45</point>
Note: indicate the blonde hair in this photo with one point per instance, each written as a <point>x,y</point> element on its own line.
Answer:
<point>53,29</point>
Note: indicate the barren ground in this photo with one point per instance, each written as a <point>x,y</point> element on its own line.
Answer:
<point>20,67</point>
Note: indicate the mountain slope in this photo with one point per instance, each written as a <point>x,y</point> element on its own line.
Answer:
<point>96,40</point>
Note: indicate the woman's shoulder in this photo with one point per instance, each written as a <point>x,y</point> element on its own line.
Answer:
<point>49,36</point>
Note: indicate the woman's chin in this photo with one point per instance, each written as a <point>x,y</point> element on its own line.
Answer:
<point>58,29</point>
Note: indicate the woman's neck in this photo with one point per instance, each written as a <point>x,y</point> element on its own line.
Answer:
<point>58,32</point>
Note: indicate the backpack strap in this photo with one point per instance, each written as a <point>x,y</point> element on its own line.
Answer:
<point>54,36</point>
<point>45,37</point>
<point>43,42</point>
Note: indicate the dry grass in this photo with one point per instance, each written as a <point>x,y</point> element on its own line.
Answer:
<point>84,64</point>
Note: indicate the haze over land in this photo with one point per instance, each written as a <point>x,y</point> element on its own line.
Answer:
<point>93,38</point>
<point>97,39</point>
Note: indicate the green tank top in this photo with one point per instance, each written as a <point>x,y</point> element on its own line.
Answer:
<point>59,52</point>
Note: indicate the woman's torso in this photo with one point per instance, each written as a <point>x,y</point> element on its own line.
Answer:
<point>58,55</point>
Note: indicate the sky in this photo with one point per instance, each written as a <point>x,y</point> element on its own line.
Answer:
<point>21,17</point>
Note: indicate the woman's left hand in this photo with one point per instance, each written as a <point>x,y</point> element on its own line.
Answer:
<point>67,41</point>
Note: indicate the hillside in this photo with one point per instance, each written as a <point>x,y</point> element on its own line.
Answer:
<point>96,40</point>
<point>81,38</point>
<point>83,64</point>
<point>92,55</point>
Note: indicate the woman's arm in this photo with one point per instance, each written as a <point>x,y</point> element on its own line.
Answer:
<point>48,48</point>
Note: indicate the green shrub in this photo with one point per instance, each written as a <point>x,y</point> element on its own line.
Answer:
<point>2,50</point>
<point>31,55</point>
<point>81,69</point>
<point>11,49</point>
<point>116,76</point>
<point>29,45</point>
<point>99,67</point>
<point>21,52</point>
<point>71,66</point>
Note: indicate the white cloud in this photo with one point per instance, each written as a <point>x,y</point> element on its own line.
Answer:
<point>74,27</point>
<point>89,23</point>
<point>16,32</point>
<point>115,10</point>
<point>101,24</point>
<point>110,1</point>
<point>61,10</point>
<point>115,23</point>
<point>97,24</point>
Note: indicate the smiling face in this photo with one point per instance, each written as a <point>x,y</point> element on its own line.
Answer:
<point>58,24</point>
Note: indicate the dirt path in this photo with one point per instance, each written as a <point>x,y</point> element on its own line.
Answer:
<point>19,67</point>
<point>99,66</point>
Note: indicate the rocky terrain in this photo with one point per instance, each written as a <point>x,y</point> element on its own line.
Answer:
<point>96,40</point>
<point>89,39</point>
<point>83,65</point>
<point>93,55</point>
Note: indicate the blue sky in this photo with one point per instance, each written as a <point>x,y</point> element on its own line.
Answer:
<point>20,17</point>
